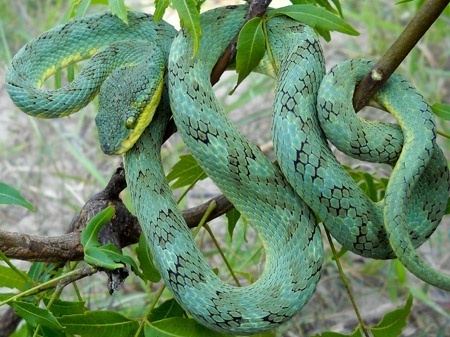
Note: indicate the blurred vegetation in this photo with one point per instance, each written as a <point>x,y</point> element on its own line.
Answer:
<point>57,165</point>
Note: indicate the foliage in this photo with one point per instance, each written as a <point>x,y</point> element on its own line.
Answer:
<point>36,297</point>
<point>9,195</point>
<point>391,325</point>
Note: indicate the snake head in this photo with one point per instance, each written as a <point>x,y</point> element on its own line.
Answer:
<point>127,102</point>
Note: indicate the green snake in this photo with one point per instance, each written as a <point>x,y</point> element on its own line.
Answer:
<point>128,73</point>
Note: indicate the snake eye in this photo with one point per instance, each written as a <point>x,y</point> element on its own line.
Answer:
<point>131,122</point>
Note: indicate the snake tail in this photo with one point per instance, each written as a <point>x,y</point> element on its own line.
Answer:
<point>417,192</point>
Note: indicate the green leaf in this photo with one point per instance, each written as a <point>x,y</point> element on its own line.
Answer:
<point>61,308</point>
<point>10,196</point>
<point>324,33</point>
<point>6,296</point>
<point>42,272</point>
<point>109,257</point>
<point>21,332</point>
<point>392,324</point>
<point>189,13</point>
<point>35,315</point>
<point>326,5</point>
<point>119,9</point>
<point>371,189</point>
<point>89,235</point>
<point>50,332</point>
<point>337,4</point>
<point>67,16</point>
<point>106,256</point>
<point>82,8</point>
<point>160,8</point>
<point>149,271</point>
<point>441,110</point>
<point>400,271</point>
<point>303,2</point>
<point>99,324</point>
<point>233,216</point>
<point>169,308</point>
<point>266,334</point>
<point>185,172</point>
<point>315,17</point>
<point>10,279</point>
<point>251,47</point>
<point>424,298</point>
<point>356,333</point>
<point>182,327</point>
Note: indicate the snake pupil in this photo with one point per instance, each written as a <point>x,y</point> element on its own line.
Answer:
<point>131,122</point>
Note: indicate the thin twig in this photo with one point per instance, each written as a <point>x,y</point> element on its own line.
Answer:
<point>60,281</point>
<point>397,52</point>
<point>224,258</point>
<point>346,283</point>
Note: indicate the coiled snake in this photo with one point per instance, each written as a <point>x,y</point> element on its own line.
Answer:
<point>128,71</point>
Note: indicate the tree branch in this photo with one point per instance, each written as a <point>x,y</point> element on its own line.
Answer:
<point>123,230</point>
<point>397,52</point>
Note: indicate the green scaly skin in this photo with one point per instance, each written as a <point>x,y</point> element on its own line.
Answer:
<point>141,47</point>
<point>256,186</point>
<point>418,189</point>
<point>252,183</point>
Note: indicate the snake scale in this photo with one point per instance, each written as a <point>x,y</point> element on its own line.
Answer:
<point>281,200</point>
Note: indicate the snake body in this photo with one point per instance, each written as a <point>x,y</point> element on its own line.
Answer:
<point>141,47</point>
<point>254,185</point>
<point>418,189</point>
<point>127,71</point>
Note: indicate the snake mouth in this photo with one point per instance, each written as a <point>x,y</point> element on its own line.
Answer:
<point>108,149</point>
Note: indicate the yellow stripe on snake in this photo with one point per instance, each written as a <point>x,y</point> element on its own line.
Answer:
<point>280,200</point>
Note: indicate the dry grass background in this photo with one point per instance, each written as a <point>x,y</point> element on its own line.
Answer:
<point>58,165</point>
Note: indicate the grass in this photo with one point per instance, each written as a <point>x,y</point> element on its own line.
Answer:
<point>58,165</point>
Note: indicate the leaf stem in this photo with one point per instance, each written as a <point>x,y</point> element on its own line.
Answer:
<point>216,243</point>
<point>185,192</point>
<point>268,48</point>
<point>205,216</point>
<point>156,299</point>
<point>443,134</point>
<point>150,308</point>
<point>14,268</point>
<point>65,279</point>
<point>346,283</point>
<point>54,296</point>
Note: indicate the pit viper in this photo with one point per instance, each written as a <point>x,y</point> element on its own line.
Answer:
<point>127,70</point>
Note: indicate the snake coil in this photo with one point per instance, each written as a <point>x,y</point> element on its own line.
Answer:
<point>280,201</point>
